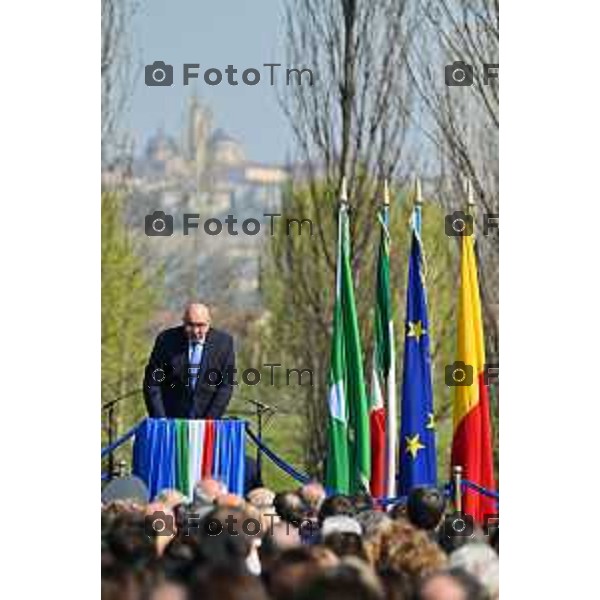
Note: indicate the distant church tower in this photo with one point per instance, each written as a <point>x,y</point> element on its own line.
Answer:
<point>197,131</point>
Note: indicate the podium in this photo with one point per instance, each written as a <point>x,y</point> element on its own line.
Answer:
<point>176,453</point>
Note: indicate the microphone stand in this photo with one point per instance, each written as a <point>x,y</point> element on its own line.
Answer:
<point>112,427</point>
<point>261,409</point>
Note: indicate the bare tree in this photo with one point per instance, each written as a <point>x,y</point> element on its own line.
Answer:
<point>461,121</point>
<point>353,122</point>
<point>116,68</point>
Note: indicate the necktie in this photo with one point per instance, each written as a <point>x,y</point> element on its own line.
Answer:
<point>195,356</point>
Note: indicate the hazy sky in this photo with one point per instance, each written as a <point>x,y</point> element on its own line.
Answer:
<point>214,33</point>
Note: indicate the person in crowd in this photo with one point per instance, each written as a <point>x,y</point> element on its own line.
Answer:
<point>313,494</point>
<point>453,584</point>
<point>350,580</point>
<point>481,561</point>
<point>336,505</point>
<point>206,491</point>
<point>290,508</point>
<point>292,570</point>
<point>425,507</point>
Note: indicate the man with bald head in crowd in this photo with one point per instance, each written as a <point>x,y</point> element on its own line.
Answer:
<point>190,372</point>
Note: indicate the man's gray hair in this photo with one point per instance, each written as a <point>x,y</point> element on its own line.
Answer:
<point>480,561</point>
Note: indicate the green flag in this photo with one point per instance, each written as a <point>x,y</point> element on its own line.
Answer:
<point>349,451</point>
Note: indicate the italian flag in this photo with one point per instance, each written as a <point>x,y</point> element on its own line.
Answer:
<point>383,413</point>
<point>348,465</point>
<point>472,439</point>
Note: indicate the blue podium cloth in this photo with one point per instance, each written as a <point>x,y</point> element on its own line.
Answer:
<point>162,459</point>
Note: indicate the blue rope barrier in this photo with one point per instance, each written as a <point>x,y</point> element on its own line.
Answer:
<point>106,451</point>
<point>388,501</point>
<point>480,489</point>
<point>448,488</point>
<point>284,466</point>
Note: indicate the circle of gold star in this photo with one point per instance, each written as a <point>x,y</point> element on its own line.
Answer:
<point>416,330</point>
<point>413,445</point>
<point>430,421</point>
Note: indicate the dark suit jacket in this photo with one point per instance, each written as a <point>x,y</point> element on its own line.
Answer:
<point>167,391</point>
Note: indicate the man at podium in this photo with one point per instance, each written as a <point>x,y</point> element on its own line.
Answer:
<point>190,371</point>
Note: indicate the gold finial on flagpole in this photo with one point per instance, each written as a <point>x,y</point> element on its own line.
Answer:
<point>418,193</point>
<point>386,193</point>
<point>344,191</point>
<point>470,197</point>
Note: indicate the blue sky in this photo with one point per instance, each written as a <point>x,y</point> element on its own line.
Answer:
<point>214,33</point>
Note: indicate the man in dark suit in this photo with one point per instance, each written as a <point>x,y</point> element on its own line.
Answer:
<point>190,372</point>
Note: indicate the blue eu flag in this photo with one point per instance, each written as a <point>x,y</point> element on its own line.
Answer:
<point>417,429</point>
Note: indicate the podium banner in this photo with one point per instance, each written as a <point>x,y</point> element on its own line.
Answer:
<point>176,453</point>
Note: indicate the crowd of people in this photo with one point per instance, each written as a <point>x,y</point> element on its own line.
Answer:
<point>299,544</point>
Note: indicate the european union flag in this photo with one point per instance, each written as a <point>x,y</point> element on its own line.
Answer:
<point>417,429</point>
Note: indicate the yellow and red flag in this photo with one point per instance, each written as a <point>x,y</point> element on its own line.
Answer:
<point>472,440</point>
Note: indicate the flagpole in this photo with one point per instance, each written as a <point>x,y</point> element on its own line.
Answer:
<point>391,392</point>
<point>470,199</point>
<point>342,205</point>
<point>417,207</point>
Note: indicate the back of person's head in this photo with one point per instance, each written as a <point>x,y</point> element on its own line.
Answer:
<point>128,556</point>
<point>313,494</point>
<point>398,510</point>
<point>125,541</point>
<point>416,556</point>
<point>352,579</point>
<point>336,505</point>
<point>130,489</point>
<point>425,507</point>
<point>362,502</point>
<point>345,544</point>
<point>453,583</point>
<point>261,497</point>
<point>480,561</point>
<point>290,507</point>
<point>386,539</point>
<point>291,570</point>
<point>206,491</point>
<point>224,584</point>
<point>372,521</point>
<point>397,586</point>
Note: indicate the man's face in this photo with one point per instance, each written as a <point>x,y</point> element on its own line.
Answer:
<point>196,322</point>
